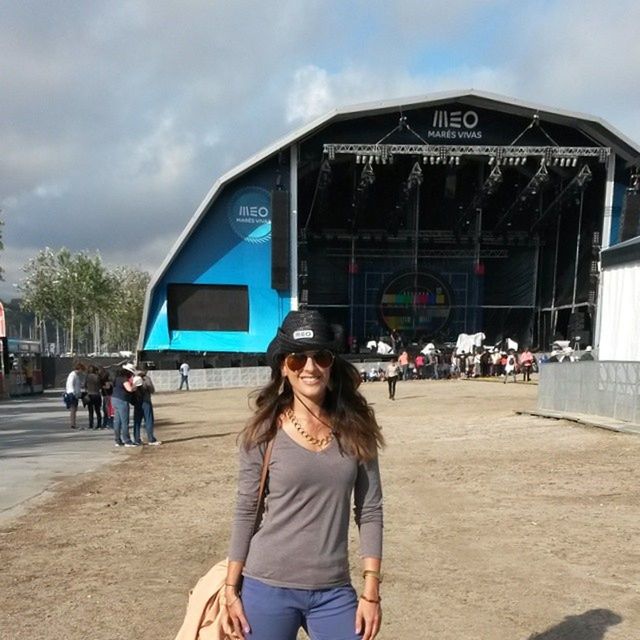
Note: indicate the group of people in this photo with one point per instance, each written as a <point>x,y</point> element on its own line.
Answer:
<point>432,364</point>
<point>109,401</point>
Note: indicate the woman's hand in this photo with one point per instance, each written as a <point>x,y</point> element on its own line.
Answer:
<point>368,619</point>
<point>235,623</point>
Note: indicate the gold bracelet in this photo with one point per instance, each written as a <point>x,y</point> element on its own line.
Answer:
<point>371,572</point>
<point>378,601</point>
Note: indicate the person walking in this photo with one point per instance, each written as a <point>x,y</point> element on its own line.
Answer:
<point>510,367</point>
<point>392,372</point>
<point>526,363</point>
<point>294,571</point>
<point>73,392</point>
<point>94,399</point>
<point>184,375</point>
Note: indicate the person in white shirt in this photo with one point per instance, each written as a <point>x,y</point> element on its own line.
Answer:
<point>73,392</point>
<point>184,375</point>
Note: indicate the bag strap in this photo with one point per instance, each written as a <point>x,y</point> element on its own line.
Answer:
<point>263,483</point>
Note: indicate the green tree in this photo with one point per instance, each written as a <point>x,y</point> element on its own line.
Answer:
<point>68,288</point>
<point>129,286</point>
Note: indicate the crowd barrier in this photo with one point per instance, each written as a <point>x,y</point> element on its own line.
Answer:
<point>222,378</point>
<point>602,388</point>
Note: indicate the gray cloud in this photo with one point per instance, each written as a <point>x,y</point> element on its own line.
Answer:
<point>117,118</point>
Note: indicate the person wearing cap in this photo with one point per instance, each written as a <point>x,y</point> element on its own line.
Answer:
<point>294,571</point>
<point>120,399</point>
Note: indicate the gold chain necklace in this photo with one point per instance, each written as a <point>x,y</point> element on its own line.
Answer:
<point>318,442</point>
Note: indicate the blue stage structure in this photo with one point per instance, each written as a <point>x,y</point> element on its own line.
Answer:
<point>426,217</point>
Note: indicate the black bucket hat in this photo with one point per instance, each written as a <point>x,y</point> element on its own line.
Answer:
<point>304,330</point>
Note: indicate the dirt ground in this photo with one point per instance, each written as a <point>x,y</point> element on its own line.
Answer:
<point>497,526</point>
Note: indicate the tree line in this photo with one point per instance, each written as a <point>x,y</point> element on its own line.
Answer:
<point>90,308</point>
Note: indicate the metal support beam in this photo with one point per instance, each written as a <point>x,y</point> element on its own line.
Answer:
<point>384,152</point>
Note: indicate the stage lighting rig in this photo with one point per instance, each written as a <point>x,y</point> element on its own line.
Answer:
<point>489,187</point>
<point>537,183</point>
<point>324,175</point>
<point>578,184</point>
<point>415,177</point>
<point>511,155</point>
<point>367,177</point>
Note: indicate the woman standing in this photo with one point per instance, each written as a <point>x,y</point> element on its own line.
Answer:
<point>92,387</point>
<point>294,571</point>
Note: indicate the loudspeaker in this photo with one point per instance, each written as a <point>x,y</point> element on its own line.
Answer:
<point>630,222</point>
<point>280,241</point>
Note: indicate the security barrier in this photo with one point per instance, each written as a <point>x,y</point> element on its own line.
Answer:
<point>221,378</point>
<point>602,388</point>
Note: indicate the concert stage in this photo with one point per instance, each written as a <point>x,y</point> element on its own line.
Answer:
<point>432,216</point>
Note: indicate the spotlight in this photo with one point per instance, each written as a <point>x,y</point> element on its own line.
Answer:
<point>357,159</point>
<point>574,162</point>
<point>424,159</point>
<point>432,160</point>
<point>367,178</point>
<point>492,159</point>
<point>415,177</point>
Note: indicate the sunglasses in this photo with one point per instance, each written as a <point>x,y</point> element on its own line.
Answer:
<point>296,361</point>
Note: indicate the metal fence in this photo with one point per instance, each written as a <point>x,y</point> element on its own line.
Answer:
<point>222,378</point>
<point>608,388</point>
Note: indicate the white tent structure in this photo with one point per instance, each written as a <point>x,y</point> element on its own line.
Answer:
<point>619,330</point>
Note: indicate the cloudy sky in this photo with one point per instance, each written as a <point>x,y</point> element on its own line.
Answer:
<point>117,116</point>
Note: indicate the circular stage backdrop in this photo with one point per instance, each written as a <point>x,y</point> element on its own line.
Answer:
<point>415,303</point>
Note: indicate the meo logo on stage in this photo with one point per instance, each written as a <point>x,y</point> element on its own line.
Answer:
<point>443,119</point>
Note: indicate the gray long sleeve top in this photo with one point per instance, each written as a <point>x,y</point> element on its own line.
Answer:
<point>302,542</point>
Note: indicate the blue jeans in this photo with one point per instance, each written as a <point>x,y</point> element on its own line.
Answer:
<point>120,420</point>
<point>140,412</point>
<point>184,380</point>
<point>277,613</point>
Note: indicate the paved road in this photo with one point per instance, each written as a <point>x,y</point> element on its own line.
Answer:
<point>38,449</point>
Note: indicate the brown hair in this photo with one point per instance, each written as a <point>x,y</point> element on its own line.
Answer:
<point>353,420</point>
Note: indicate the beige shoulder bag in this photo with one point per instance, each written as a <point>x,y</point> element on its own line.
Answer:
<point>206,606</point>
